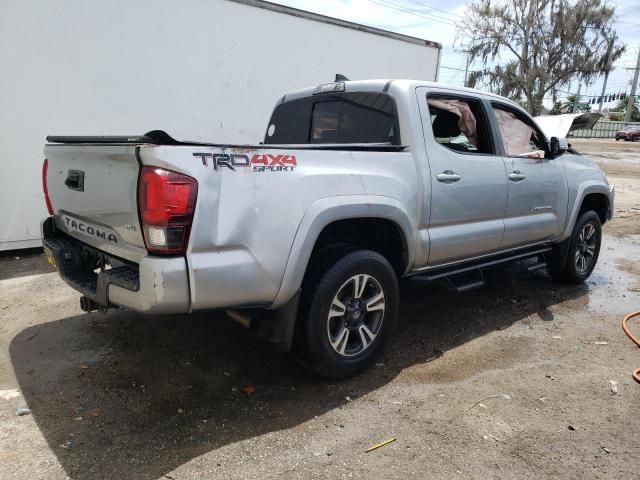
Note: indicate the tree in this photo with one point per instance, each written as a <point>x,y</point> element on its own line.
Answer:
<point>621,106</point>
<point>567,105</point>
<point>531,48</point>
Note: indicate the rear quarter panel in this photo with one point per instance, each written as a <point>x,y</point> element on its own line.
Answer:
<point>247,217</point>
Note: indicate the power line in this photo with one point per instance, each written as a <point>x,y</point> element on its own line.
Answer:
<point>436,9</point>
<point>411,11</point>
<point>458,69</point>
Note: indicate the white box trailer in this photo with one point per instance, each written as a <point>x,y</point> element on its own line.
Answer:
<point>198,69</point>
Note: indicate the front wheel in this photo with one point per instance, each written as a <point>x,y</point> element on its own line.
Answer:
<point>583,249</point>
<point>348,311</point>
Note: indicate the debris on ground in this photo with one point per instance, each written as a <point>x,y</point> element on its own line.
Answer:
<point>571,427</point>
<point>9,394</point>
<point>378,445</point>
<point>601,343</point>
<point>614,386</point>
<point>248,390</point>
<point>33,336</point>
<point>67,445</point>
<point>605,450</point>
<point>20,411</point>
<point>479,402</point>
<point>84,366</point>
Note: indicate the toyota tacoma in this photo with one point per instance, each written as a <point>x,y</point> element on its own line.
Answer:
<point>304,236</point>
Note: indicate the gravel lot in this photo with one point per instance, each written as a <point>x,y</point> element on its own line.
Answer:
<point>509,381</point>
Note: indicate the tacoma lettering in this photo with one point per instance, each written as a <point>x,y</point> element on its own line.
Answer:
<point>88,229</point>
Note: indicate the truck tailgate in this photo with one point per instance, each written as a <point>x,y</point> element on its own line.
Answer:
<point>93,192</point>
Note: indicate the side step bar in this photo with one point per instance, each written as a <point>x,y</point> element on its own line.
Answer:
<point>457,273</point>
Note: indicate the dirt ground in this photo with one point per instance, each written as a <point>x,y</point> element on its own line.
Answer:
<point>513,380</point>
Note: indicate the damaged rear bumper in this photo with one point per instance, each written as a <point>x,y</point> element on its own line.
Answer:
<point>155,285</point>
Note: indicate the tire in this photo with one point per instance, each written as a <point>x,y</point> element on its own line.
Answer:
<point>348,310</point>
<point>582,251</point>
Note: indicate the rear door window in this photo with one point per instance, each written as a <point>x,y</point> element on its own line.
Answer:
<point>459,124</point>
<point>346,118</point>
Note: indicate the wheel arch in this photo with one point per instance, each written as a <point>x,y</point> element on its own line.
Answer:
<point>592,196</point>
<point>329,212</point>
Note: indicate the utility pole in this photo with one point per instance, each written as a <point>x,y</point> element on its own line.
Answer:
<point>606,73</point>
<point>632,98</point>
<point>575,104</point>
<point>466,68</point>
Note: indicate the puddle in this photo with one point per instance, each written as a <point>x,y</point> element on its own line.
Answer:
<point>614,286</point>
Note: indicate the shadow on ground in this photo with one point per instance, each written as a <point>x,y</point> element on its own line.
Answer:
<point>128,396</point>
<point>21,263</point>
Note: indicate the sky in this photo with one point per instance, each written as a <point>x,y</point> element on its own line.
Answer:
<point>436,21</point>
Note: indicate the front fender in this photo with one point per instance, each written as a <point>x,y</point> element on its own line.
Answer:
<point>586,188</point>
<point>327,210</point>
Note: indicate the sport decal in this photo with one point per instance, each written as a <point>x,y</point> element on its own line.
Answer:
<point>258,163</point>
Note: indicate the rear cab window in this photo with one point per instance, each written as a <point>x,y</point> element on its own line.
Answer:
<point>459,123</point>
<point>361,117</point>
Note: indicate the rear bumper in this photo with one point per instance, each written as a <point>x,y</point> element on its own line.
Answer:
<point>155,285</point>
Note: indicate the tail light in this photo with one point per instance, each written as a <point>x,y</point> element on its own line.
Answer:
<point>45,190</point>
<point>166,202</point>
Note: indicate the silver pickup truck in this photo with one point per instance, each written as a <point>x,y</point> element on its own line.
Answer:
<point>303,237</point>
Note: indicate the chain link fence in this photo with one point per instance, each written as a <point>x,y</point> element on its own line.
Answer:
<point>603,129</point>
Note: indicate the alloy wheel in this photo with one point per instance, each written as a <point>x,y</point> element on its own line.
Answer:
<point>356,315</point>
<point>585,248</point>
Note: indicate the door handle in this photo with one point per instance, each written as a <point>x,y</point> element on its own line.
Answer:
<point>517,176</point>
<point>448,176</point>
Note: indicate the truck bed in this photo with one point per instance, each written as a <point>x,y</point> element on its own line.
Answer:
<point>159,137</point>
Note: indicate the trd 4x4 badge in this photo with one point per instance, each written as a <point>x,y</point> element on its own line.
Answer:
<point>258,163</point>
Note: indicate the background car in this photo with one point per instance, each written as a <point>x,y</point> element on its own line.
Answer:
<point>628,133</point>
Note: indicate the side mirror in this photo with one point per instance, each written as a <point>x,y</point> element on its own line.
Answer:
<point>557,146</point>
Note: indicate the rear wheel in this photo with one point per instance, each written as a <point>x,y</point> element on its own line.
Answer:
<point>348,311</point>
<point>582,250</point>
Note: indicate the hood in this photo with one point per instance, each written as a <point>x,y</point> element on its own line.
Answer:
<point>560,125</point>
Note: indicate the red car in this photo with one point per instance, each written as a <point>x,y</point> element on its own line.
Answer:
<point>628,133</point>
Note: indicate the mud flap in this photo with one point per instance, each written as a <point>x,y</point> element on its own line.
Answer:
<point>278,326</point>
